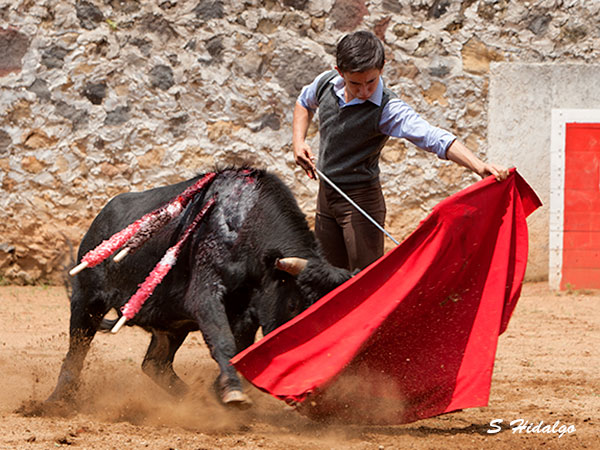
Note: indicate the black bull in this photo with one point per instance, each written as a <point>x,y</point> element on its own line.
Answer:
<point>232,276</point>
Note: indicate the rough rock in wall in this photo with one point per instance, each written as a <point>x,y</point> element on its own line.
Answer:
<point>99,97</point>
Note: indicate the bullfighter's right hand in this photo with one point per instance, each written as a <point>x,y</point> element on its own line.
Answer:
<point>305,158</point>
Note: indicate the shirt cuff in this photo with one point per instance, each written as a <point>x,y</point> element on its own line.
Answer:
<point>444,144</point>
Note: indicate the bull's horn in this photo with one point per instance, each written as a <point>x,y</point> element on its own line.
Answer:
<point>291,265</point>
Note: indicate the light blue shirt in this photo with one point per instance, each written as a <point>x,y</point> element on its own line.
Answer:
<point>397,118</point>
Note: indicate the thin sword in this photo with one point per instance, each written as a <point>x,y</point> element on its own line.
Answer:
<point>359,209</point>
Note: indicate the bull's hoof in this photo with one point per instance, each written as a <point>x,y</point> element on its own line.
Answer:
<point>236,399</point>
<point>45,409</point>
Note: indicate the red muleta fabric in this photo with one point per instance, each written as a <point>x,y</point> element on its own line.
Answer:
<point>413,335</point>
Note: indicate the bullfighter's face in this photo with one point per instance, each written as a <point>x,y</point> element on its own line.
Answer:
<point>360,85</point>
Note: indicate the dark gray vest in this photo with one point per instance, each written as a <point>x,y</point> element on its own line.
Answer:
<point>350,140</point>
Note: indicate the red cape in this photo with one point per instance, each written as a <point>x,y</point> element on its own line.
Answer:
<point>413,335</point>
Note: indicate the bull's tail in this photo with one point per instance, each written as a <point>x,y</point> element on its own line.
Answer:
<point>65,272</point>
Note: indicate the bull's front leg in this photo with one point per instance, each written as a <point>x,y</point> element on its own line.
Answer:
<point>214,325</point>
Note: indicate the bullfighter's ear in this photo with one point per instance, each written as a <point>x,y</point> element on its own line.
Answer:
<point>291,265</point>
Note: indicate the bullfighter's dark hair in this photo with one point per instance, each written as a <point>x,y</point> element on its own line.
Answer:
<point>360,51</point>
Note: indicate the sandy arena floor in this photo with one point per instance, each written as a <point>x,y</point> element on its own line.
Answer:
<point>547,369</point>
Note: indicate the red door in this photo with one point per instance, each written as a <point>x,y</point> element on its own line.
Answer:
<point>581,244</point>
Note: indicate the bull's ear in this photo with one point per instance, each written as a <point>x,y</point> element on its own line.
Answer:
<point>291,265</point>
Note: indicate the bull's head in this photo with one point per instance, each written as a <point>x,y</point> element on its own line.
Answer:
<point>297,284</point>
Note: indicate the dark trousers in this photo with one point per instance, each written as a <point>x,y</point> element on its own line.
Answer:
<point>348,238</point>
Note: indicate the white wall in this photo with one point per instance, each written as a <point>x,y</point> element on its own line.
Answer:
<point>521,100</point>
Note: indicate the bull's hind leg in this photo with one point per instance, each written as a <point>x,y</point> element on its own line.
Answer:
<point>158,363</point>
<point>84,322</point>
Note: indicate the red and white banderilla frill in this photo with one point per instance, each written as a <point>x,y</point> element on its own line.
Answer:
<point>132,307</point>
<point>142,229</point>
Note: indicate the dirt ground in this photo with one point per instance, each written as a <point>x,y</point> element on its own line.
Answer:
<point>547,369</point>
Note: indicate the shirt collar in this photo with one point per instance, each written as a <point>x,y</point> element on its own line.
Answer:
<point>338,88</point>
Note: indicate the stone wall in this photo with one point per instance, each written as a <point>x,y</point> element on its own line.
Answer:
<point>100,97</point>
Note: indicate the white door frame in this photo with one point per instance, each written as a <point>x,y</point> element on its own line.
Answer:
<point>560,117</point>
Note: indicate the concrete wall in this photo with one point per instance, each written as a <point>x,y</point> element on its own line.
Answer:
<point>521,99</point>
